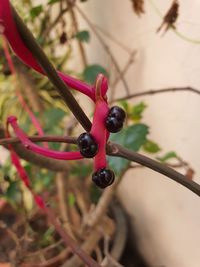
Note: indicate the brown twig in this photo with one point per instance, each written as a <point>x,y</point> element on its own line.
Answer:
<point>45,249</point>
<point>117,151</point>
<point>109,261</point>
<point>27,86</point>
<point>113,39</point>
<point>55,21</point>
<point>61,188</point>
<point>159,91</point>
<point>44,162</point>
<point>126,67</point>
<point>76,28</point>
<point>44,138</point>
<point>118,78</point>
<point>12,234</point>
<point>70,242</point>
<point>91,241</point>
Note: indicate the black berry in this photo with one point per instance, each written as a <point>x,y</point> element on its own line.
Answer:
<point>118,113</point>
<point>115,120</point>
<point>103,177</point>
<point>87,145</point>
<point>113,125</point>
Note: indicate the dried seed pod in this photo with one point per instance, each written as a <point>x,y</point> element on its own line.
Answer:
<point>138,7</point>
<point>171,17</point>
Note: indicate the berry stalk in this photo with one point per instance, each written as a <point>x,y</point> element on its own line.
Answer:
<point>12,120</point>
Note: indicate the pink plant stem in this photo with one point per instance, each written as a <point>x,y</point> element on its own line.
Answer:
<point>12,120</point>
<point>33,118</point>
<point>98,126</point>
<point>78,85</point>
<point>100,134</point>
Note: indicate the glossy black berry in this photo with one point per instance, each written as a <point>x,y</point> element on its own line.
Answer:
<point>103,177</point>
<point>117,113</point>
<point>115,120</point>
<point>113,125</point>
<point>87,145</point>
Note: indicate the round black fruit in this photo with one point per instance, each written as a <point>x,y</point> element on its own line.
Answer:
<point>87,145</point>
<point>115,120</point>
<point>113,125</point>
<point>117,113</point>
<point>103,177</point>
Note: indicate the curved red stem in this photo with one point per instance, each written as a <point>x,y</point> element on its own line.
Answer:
<point>12,120</point>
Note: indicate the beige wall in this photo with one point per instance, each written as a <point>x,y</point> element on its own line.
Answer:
<point>166,215</point>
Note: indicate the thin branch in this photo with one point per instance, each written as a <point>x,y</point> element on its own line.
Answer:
<point>159,91</point>
<point>107,49</point>
<point>119,151</point>
<point>113,39</point>
<point>62,203</point>
<point>44,162</point>
<point>44,138</point>
<point>75,248</point>
<point>27,86</point>
<point>129,62</point>
<point>90,243</point>
<point>48,68</point>
<point>113,150</point>
<point>76,28</point>
<point>119,77</point>
<point>55,22</point>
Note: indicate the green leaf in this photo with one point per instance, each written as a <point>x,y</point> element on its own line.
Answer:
<point>47,238</point>
<point>51,2</point>
<point>137,110</point>
<point>71,199</point>
<point>91,71</point>
<point>83,36</point>
<point>53,117</point>
<point>132,137</point>
<point>151,147</point>
<point>12,192</point>
<point>81,170</point>
<point>125,105</point>
<point>95,194</point>
<point>35,11</point>
<point>167,156</point>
